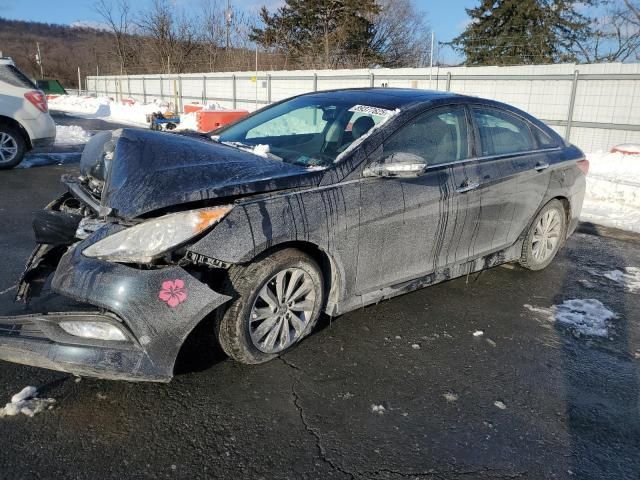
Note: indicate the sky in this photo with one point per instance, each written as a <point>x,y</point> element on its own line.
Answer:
<point>446,18</point>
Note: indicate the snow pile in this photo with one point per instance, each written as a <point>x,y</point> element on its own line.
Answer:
<point>188,121</point>
<point>213,107</point>
<point>27,403</point>
<point>379,409</point>
<point>107,109</point>
<point>613,191</point>
<point>71,135</point>
<point>630,278</point>
<point>587,317</point>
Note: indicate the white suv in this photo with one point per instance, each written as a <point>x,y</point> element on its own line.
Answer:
<point>25,122</point>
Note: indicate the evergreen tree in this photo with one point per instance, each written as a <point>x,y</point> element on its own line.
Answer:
<point>513,32</point>
<point>340,32</point>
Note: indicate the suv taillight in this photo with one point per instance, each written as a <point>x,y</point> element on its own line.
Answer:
<point>37,99</point>
<point>584,165</point>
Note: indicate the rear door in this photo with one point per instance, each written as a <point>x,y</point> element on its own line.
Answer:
<point>512,176</point>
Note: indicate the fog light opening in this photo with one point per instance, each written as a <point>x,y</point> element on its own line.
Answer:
<point>96,330</point>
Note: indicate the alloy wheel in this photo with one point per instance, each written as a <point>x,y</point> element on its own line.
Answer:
<point>8,148</point>
<point>546,236</point>
<point>282,310</point>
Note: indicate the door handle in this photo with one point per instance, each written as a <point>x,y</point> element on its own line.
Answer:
<point>467,186</point>
<point>540,166</point>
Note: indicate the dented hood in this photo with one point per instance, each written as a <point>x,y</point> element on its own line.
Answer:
<point>153,170</point>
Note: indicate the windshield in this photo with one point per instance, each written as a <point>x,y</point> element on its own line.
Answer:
<point>306,131</point>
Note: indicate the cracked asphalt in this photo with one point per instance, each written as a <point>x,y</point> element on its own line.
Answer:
<point>398,390</point>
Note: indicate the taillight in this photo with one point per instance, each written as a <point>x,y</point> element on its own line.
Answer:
<point>37,99</point>
<point>583,165</point>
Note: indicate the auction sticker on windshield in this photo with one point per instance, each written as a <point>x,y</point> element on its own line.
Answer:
<point>381,112</point>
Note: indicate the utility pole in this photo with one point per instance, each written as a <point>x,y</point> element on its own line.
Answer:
<point>433,42</point>
<point>229,17</point>
<point>39,59</point>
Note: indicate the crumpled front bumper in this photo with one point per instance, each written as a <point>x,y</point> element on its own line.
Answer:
<point>156,308</point>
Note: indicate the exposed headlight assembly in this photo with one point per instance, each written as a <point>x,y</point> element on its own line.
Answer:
<point>144,242</point>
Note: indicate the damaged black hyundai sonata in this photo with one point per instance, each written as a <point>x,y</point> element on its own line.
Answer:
<point>325,202</point>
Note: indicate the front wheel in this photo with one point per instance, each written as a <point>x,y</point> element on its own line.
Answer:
<point>545,236</point>
<point>278,301</point>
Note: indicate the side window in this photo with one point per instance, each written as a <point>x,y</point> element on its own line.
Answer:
<point>301,121</point>
<point>438,136</point>
<point>501,133</point>
<point>544,140</point>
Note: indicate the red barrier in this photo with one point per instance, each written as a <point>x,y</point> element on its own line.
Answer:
<point>208,121</point>
<point>192,107</point>
<point>627,149</point>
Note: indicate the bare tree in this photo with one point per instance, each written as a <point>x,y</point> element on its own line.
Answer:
<point>170,34</point>
<point>633,11</point>
<point>402,34</point>
<point>118,17</point>
<point>213,30</point>
<point>614,36</point>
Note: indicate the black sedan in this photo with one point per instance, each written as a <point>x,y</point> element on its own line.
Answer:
<point>324,202</point>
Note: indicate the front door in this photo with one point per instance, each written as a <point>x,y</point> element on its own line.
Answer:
<point>407,224</point>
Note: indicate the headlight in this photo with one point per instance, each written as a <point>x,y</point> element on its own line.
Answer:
<point>99,330</point>
<point>146,241</point>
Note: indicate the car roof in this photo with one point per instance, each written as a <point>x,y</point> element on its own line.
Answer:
<point>391,98</point>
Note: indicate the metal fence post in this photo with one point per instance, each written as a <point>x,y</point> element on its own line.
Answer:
<point>315,82</point>
<point>269,87</point>
<point>233,87</point>
<point>128,86</point>
<point>448,81</point>
<point>371,80</point>
<point>161,88</point>
<point>144,91</point>
<point>204,89</point>
<point>180,100</point>
<point>572,103</point>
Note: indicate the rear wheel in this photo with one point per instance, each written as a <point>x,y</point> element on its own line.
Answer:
<point>545,236</point>
<point>12,147</point>
<point>278,301</point>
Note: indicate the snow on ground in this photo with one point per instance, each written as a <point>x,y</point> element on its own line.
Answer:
<point>613,191</point>
<point>26,402</point>
<point>587,317</point>
<point>629,278</point>
<point>107,109</point>
<point>71,135</point>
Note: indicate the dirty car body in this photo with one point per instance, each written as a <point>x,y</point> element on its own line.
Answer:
<point>430,187</point>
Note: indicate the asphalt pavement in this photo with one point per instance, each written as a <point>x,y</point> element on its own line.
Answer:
<point>403,389</point>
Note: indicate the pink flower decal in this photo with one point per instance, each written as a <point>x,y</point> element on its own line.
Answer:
<point>173,292</point>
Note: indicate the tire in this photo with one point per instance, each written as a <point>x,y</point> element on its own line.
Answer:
<point>12,147</point>
<point>545,236</point>
<point>284,325</point>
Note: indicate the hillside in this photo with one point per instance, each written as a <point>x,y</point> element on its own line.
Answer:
<point>64,49</point>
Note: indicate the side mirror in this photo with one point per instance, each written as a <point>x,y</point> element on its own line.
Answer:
<point>400,164</point>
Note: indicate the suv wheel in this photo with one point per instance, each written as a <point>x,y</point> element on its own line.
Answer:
<point>278,301</point>
<point>545,236</point>
<point>12,147</point>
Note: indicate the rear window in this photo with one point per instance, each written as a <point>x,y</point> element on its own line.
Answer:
<point>13,76</point>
